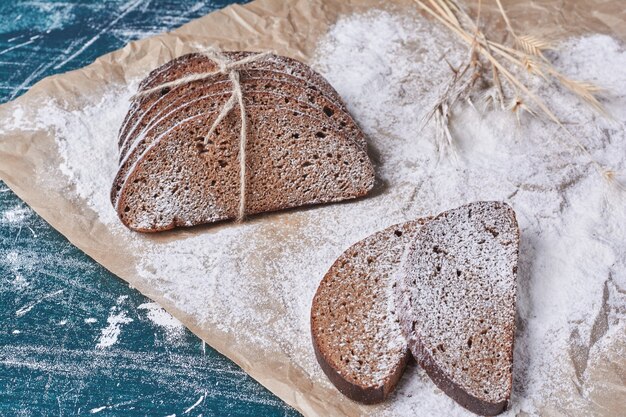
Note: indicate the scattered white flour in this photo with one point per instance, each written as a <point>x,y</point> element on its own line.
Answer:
<point>91,320</point>
<point>256,280</point>
<point>174,329</point>
<point>194,405</point>
<point>15,215</point>
<point>84,164</point>
<point>110,334</point>
<point>28,307</point>
<point>19,282</point>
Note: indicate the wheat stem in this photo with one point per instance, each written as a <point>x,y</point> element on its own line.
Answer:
<point>444,12</point>
<point>506,19</point>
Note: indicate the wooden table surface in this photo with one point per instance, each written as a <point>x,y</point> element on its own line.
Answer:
<point>75,339</point>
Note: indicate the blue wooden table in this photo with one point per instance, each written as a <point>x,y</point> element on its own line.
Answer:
<point>56,351</point>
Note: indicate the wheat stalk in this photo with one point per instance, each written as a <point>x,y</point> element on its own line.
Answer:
<point>457,89</point>
<point>527,53</point>
<point>532,45</point>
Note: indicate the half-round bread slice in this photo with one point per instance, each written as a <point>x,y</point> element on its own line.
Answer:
<point>272,66</point>
<point>356,333</point>
<point>289,93</point>
<point>456,303</point>
<point>196,104</point>
<point>291,160</point>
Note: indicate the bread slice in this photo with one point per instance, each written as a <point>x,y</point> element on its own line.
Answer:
<point>356,333</point>
<point>207,105</point>
<point>292,160</point>
<point>302,148</point>
<point>191,95</point>
<point>456,303</point>
<point>272,66</point>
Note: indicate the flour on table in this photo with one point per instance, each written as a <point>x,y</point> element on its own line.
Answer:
<point>29,307</point>
<point>257,279</point>
<point>83,136</point>
<point>111,333</point>
<point>15,215</point>
<point>174,329</point>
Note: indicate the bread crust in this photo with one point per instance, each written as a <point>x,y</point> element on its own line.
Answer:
<point>312,98</point>
<point>368,267</point>
<point>422,352</point>
<point>453,390</point>
<point>365,395</point>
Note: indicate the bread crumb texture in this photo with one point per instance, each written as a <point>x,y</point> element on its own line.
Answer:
<point>355,329</point>
<point>457,298</point>
<point>302,146</point>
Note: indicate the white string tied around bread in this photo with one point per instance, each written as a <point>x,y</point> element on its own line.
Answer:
<point>231,68</point>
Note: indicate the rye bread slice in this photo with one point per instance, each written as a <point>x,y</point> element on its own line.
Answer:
<point>286,93</point>
<point>195,63</point>
<point>140,107</point>
<point>292,160</point>
<point>456,303</point>
<point>207,105</point>
<point>356,333</point>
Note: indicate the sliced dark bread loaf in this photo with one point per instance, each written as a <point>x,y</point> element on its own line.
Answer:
<point>286,94</point>
<point>274,66</point>
<point>152,198</point>
<point>456,303</point>
<point>292,160</point>
<point>142,110</point>
<point>356,333</point>
<point>205,106</point>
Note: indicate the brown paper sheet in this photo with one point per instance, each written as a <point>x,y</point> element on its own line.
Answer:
<point>291,28</point>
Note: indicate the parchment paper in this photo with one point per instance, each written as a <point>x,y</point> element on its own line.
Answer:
<point>290,28</point>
